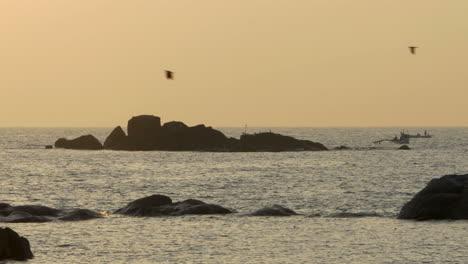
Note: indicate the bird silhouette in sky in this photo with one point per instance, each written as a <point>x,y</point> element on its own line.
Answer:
<point>169,75</point>
<point>412,49</point>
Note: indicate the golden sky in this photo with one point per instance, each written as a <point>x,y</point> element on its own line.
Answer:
<point>255,62</point>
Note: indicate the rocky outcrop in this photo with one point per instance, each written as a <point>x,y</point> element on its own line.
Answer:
<point>146,133</point>
<point>87,142</point>
<point>117,140</point>
<point>269,141</point>
<point>161,205</point>
<point>41,214</point>
<point>13,246</point>
<point>142,132</point>
<point>443,198</point>
<point>275,210</point>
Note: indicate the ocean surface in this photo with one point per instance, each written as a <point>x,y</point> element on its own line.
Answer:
<point>348,199</point>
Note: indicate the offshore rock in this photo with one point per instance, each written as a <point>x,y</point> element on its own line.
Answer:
<point>13,246</point>
<point>161,205</point>
<point>117,140</point>
<point>87,142</point>
<point>443,198</point>
<point>146,133</point>
<point>269,141</point>
<point>142,132</point>
<point>275,210</point>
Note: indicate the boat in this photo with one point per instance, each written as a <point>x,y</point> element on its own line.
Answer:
<point>418,135</point>
<point>403,139</point>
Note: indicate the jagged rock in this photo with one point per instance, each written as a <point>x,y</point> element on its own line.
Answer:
<point>80,215</point>
<point>269,141</point>
<point>13,246</point>
<point>275,210</point>
<point>161,205</point>
<point>142,131</point>
<point>117,140</point>
<point>443,198</point>
<point>87,142</point>
<point>404,147</point>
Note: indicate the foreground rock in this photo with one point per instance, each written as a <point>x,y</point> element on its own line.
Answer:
<point>161,205</point>
<point>87,142</point>
<point>41,214</point>
<point>275,210</point>
<point>443,198</point>
<point>146,133</point>
<point>13,246</point>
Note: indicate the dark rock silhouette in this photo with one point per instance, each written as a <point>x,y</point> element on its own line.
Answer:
<point>117,140</point>
<point>41,214</point>
<point>275,210</point>
<point>87,142</point>
<point>13,246</point>
<point>161,205</point>
<point>404,147</point>
<point>142,132</point>
<point>146,133</point>
<point>342,148</point>
<point>268,141</point>
<point>443,198</point>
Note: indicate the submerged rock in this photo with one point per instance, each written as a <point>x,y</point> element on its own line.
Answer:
<point>161,205</point>
<point>275,210</point>
<point>41,214</point>
<point>404,147</point>
<point>342,148</point>
<point>13,246</point>
<point>80,215</point>
<point>443,198</point>
<point>87,142</point>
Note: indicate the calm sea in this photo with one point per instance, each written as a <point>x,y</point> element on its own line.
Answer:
<point>348,199</point>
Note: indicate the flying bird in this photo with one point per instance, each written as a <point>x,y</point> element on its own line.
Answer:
<point>169,75</point>
<point>412,49</point>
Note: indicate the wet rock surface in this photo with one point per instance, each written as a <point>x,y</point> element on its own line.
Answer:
<point>442,198</point>
<point>13,246</point>
<point>161,205</point>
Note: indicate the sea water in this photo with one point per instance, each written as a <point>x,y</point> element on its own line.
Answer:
<point>348,200</point>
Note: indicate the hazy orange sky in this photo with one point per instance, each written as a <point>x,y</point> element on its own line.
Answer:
<point>255,62</point>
